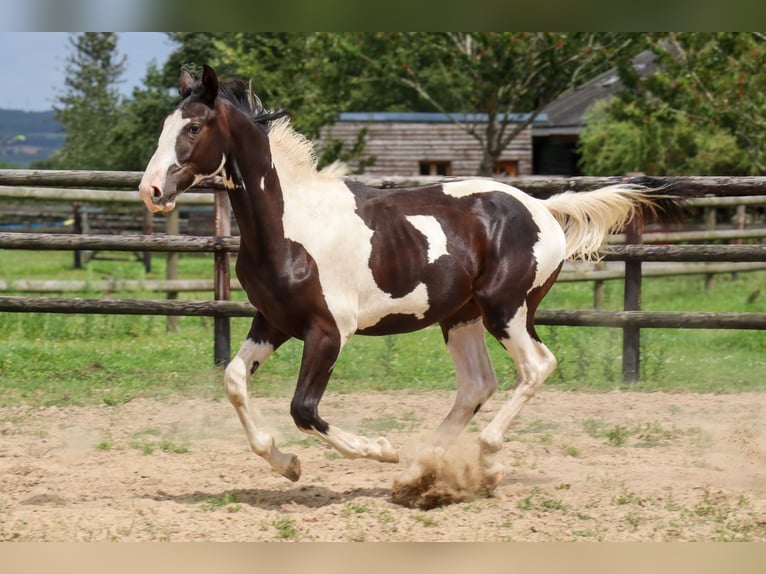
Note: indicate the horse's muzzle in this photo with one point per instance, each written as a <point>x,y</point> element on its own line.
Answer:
<point>153,197</point>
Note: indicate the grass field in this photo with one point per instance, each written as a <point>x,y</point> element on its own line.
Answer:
<point>86,359</point>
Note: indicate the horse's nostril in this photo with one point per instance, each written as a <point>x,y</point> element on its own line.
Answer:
<point>156,193</point>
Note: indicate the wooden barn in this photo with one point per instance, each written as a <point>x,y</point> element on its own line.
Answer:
<point>410,144</point>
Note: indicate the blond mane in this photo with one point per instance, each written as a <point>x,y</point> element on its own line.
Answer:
<point>294,154</point>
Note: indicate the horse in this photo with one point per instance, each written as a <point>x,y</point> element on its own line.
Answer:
<point>323,257</point>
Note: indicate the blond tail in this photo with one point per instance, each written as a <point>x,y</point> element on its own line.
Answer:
<point>588,217</point>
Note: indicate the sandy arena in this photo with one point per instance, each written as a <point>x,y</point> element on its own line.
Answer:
<point>618,466</point>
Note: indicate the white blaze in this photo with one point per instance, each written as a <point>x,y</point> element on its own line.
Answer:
<point>165,155</point>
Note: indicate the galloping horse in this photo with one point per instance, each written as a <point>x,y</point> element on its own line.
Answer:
<point>322,258</point>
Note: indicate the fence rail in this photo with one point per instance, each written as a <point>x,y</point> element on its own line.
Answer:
<point>579,318</point>
<point>114,186</point>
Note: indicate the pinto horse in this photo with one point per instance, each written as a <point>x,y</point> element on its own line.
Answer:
<point>322,258</point>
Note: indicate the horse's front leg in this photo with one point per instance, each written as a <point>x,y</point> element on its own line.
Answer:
<point>321,349</point>
<point>261,342</point>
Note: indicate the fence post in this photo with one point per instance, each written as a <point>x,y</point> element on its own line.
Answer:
<point>222,282</point>
<point>631,335</point>
<point>710,223</point>
<point>740,219</point>
<point>172,227</point>
<point>598,288</point>
<point>148,230</point>
<point>77,218</point>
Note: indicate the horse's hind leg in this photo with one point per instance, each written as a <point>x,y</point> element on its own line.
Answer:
<point>534,363</point>
<point>261,342</point>
<point>476,382</point>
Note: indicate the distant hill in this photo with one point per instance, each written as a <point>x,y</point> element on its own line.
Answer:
<point>39,135</point>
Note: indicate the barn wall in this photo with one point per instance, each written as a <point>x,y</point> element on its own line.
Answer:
<point>399,147</point>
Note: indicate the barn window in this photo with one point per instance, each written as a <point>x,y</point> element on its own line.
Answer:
<point>435,168</point>
<point>508,168</point>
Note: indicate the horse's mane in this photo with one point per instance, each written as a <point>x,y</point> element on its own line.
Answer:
<point>288,147</point>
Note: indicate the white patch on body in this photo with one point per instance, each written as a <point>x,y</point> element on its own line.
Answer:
<point>321,216</point>
<point>430,227</point>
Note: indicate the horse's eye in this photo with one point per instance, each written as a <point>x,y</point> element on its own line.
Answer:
<point>194,129</point>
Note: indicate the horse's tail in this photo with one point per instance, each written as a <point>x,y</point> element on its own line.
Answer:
<point>588,217</point>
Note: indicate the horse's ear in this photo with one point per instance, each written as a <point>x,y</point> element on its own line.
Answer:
<point>185,83</point>
<point>209,85</point>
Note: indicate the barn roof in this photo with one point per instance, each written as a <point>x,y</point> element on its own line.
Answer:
<point>426,117</point>
<point>564,116</point>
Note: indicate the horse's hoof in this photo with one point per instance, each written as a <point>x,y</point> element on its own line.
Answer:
<point>410,492</point>
<point>387,452</point>
<point>293,469</point>
<point>491,480</point>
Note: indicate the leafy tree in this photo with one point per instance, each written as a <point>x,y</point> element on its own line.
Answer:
<point>619,139</point>
<point>138,121</point>
<point>317,75</point>
<point>300,72</point>
<point>194,49</point>
<point>701,112</point>
<point>508,77</point>
<point>87,109</point>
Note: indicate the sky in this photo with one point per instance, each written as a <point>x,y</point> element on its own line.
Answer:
<point>32,65</point>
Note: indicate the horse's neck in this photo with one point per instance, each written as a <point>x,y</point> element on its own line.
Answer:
<point>256,197</point>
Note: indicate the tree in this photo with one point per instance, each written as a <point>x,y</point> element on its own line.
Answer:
<point>134,133</point>
<point>297,71</point>
<point>87,108</point>
<point>505,79</point>
<point>619,139</point>
<point>710,87</point>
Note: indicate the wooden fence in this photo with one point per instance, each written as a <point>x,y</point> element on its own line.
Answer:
<point>68,186</point>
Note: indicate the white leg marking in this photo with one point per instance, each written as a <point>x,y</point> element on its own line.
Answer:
<point>235,383</point>
<point>534,363</point>
<point>430,227</point>
<point>354,446</point>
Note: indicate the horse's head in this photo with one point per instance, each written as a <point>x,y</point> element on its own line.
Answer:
<point>192,146</point>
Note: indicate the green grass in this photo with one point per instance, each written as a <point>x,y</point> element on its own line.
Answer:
<point>60,359</point>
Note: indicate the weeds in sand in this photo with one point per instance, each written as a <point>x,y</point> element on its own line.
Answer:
<point>383,424</point>
<point>645,435</point>
<point>227,501</point>
<point>572,451</point>
<point>333,455</point>
<point>352,508</point>
<point>540,502</point>
<point>386,517</point>
<point>653,434</point>
<point>286,529</point>
<point>628,497</point>
<point>617,435</point>
<point>140,442</point>
<point>426,520</point>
